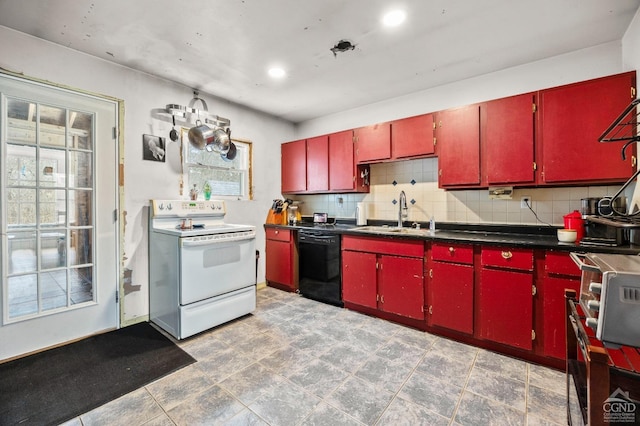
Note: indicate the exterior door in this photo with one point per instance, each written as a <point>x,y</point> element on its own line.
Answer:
<point>59,204</point>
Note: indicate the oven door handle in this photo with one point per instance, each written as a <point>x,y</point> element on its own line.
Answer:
<point>577,259</point>
<point>191,243</point>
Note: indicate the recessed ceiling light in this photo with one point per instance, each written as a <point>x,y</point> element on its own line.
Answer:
<point>276,72</point>
<point>394,18</point>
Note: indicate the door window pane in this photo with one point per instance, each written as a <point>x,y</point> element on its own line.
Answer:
<point>54,290</point>
<point>21,121</point>
<point>81,280</point>
<point>22,294</point>
<point>81,130</point>
<point>21,165</point>
<point>52,126</point>
<point>53,249</point>
<point>80,252</point>
<point>80,169</point>
<point>80,208</point>
<point>22,252</point>
<point>48,187</point>
<point>52,167</point>
<point>52,207</point>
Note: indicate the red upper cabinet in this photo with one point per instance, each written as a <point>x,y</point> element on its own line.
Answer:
<point>508,140</point>
<point>373,143</point>
<point>571,119</point>
<point>293,163</point>
<point>412,137</point>
<point>318,163</point>
<point>342,166</point>
<point>458,146</point>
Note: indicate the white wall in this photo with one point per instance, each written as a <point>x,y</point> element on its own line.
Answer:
<point>472,206</point>
<point>580,65</point>
<point>145,180</point>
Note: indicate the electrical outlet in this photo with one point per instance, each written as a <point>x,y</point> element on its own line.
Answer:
<point>525,202</point>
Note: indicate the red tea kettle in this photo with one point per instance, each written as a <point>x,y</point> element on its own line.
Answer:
<point>574,220</point>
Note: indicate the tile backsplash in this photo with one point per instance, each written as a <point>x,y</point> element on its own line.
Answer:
<point>419,180</point>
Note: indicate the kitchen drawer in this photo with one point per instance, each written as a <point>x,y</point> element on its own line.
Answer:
<point>457,253</point>
<point>560,263</point>
<point>278,234</point>
<point>507,257</point>
<point>396,247</point>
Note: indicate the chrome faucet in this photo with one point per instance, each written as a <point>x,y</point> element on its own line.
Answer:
<point>402,208</point>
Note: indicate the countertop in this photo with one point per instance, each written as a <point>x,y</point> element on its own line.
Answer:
<point>525,236</point>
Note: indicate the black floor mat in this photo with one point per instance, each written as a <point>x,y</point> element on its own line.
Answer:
<point>59,384</point>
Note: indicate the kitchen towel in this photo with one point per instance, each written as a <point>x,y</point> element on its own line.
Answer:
<point>361,214</point>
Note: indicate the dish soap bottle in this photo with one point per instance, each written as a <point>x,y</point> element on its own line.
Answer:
<point>207,191</point>
<point>432,225</point>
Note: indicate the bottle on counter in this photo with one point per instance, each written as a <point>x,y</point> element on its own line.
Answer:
<point>432,225</point>
<point>207,191</point>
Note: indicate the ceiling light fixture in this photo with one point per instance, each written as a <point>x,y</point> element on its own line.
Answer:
<point>394,18</point>
<point>277,72</point>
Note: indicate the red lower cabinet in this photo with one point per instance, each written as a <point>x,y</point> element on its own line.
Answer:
<point>560,273</point>
<point>506,307</point>
<point>506,293</point>
<point>384,274</point>
<point>401,286</point>
<point>451,296</point>
<point>281,259</point>
<point>450,287</point>
<point>359,278</point>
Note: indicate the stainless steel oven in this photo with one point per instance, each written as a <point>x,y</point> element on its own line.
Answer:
<point>610,296</point>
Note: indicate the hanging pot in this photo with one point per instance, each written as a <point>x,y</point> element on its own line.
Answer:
<point>173,134</point>
<point>220,141</point>
<point>231,154</point>
<point>201,135</point>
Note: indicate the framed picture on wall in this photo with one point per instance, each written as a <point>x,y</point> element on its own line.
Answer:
<point>153,148</point>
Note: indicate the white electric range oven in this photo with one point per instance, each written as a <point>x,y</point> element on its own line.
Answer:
<point>202,271</point>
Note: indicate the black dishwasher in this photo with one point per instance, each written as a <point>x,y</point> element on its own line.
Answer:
<point>319,267</point>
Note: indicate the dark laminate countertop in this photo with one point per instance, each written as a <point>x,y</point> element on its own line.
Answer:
<point>524,236</point>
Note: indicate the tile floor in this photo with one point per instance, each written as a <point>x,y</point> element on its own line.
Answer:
<point>299,362</point>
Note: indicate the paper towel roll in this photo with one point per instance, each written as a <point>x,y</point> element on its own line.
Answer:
<point>361,214</point>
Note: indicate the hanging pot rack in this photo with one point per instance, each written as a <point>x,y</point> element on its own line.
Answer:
<point>191,113</point>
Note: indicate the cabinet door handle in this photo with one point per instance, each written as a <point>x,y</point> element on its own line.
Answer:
<point>430,309</point>
<point>430,273</point>
<point>382,299</point>
<point>276,232</point>
<point>452,250</point>
<point>507,255</point>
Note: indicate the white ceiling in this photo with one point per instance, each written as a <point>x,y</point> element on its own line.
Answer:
<point>224,47</point>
